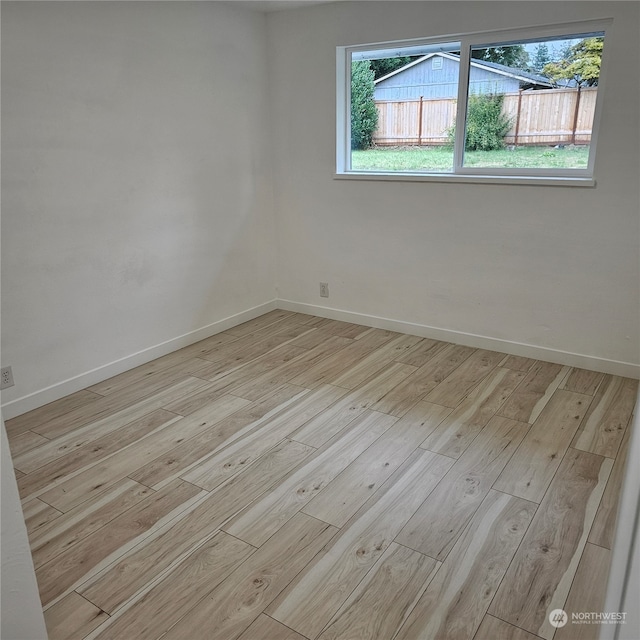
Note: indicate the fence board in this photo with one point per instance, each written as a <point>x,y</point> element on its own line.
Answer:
<point>547,117</point>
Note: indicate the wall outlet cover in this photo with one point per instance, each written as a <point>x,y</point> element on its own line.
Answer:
<point>6,378</point>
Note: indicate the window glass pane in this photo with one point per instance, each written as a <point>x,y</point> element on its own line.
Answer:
<point>531,104</point>
<point>403,108</point>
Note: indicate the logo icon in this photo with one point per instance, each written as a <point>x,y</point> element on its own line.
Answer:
<point>558,618</point>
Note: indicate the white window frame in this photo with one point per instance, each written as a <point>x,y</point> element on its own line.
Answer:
<point>549,176</point>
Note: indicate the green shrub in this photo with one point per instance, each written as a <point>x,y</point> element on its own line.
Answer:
<point>364,114</point>
<point>487,125</point>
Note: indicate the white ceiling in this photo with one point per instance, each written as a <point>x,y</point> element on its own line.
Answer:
<point>277,5</point>
<point>253,5</point>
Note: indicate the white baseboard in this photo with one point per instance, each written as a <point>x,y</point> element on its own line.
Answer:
<point>626,369</point>
<point>59,390</point>
<point>82,381</point>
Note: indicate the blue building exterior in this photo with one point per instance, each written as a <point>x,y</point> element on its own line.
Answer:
<point>436,76</point>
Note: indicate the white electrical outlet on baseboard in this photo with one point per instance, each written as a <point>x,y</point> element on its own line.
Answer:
<point>324,289</point>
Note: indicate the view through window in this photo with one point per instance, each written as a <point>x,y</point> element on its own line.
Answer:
<point>525,106</point>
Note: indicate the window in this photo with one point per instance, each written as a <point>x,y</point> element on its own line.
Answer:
<point>508,106</point>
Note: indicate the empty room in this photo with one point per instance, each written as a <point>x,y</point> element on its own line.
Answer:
<point>320,320</point>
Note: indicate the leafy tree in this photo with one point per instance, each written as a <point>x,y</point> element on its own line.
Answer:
<point>581,64</point>
<point>386,65</point>
<point>514,56</point>
<point>364,114</point>
<point>541,57</point>
<point>565,52</point>
<point>487,125</point>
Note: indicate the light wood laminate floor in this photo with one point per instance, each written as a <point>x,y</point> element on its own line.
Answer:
<point>296,477</point>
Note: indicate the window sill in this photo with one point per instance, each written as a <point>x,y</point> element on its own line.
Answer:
<point>543,181</point>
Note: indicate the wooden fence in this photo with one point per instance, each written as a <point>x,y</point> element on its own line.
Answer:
<point>546,117</point>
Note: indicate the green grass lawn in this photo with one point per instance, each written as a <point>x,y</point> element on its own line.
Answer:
<point>441,158</point>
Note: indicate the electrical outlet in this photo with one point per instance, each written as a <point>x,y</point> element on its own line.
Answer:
<point>324,289</point>
<point>6,378</point>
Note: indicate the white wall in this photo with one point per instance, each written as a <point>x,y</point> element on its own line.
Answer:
<point>553,267</point>
<point>21,612</point>
<point>138,207</point>
<point>136,193</point>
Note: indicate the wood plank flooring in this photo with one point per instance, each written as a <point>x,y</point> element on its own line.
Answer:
<point>298,478</point>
